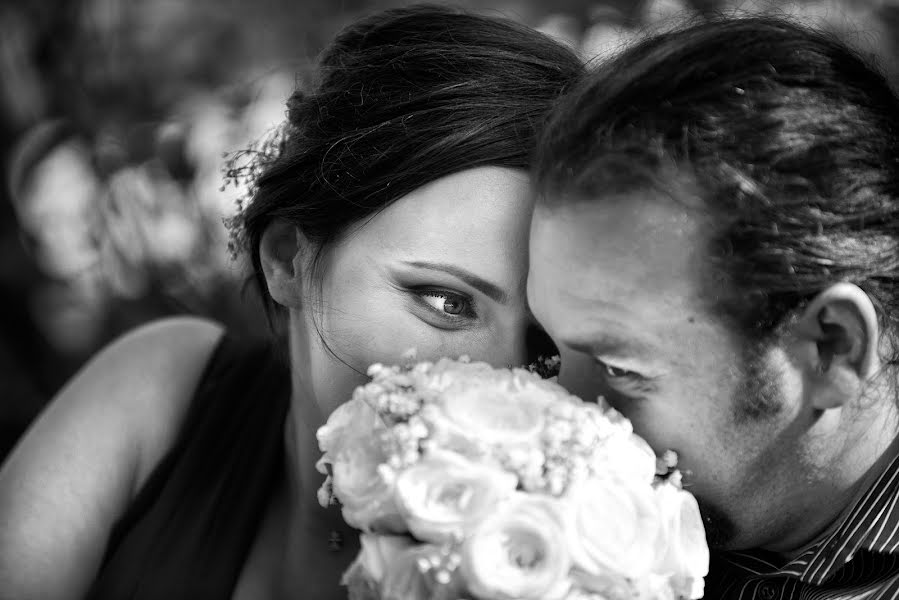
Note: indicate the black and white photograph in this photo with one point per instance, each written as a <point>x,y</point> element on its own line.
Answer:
<point>469,300</point>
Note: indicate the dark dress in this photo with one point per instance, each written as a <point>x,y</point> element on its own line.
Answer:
<point>188,532</point>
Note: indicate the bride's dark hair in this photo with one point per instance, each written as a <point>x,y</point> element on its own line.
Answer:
<point>403,98</point>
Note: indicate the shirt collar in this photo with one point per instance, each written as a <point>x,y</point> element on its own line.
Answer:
<point>871,524</point>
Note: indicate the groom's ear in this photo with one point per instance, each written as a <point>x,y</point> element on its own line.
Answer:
<point>838,334</point>
<point>281,252</point>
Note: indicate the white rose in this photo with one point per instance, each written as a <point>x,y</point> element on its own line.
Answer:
<point>443,494</point>
<point>350,420</point>
<point>612,527</point>
<point>419,573</point>
<point>616,587</point>
<point>365,495</point>
<point>353,455</point>
<point>656,587</point>
<point>446,436</point>
<point>494,415</point>
<point>518,552</point>
<point>388,568</point>
<point>626,456</point>
<point>686,558</point>
<point>603,586</point>
<point>378,552</point>
<point>360,586</point>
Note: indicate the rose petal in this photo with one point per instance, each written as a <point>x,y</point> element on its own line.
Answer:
<point>687,554</point>
<point>518,552</point>
<point>612,527</point>
<point>443,494</point>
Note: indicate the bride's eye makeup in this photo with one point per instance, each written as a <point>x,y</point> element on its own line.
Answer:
<point>435,297</point>
<point>450,309</point>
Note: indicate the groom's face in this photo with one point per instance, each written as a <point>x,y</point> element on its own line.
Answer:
<point>620,286</point>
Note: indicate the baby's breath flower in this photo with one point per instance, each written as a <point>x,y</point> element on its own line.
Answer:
<point>546,367</point>
<point>582,594</point>
<point>444,435</point>
<point>326,493</point>
<point>242,171</point>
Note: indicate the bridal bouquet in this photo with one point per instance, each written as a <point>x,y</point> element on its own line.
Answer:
<point>480,483</point>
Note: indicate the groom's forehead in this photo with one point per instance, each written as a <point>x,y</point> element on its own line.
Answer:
<point>633,245</point>
<point>638,220</point>
<point>616,186</point>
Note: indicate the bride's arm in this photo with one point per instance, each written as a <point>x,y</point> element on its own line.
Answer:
<point>82,461</point>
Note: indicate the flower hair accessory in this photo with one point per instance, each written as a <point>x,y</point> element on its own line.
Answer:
<point>242,170</point>
<point>480,483</point>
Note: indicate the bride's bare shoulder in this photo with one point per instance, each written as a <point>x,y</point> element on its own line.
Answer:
<point>129,400</point>
<point>85,457</point>
<point>169,350</point>
<point>152,373</point>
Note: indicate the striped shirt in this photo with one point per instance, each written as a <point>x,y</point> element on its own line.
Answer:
<point>859,559</point>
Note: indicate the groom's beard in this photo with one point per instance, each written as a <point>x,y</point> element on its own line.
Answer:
<point>757,399</point>
<point>759,396</point>
<point>720,529</point>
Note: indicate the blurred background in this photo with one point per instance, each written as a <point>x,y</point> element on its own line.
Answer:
<point>114,117</point>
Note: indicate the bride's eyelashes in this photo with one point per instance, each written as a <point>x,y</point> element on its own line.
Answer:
<point>452,310</point>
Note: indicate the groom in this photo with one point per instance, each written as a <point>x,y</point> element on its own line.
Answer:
<point>716,251</point>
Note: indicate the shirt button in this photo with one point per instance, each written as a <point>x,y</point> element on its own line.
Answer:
<point>767,591</point>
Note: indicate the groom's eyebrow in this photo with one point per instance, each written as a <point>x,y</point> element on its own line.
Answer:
<point>489,289</point>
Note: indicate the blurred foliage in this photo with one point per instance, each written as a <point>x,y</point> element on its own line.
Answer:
<point>114,117</point>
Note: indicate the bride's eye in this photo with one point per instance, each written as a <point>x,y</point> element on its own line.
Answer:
<point>448,304</point>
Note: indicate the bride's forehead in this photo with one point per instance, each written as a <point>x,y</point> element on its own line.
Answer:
<point>472,193</point>
<point>470,209</point>
<point>476,221</point>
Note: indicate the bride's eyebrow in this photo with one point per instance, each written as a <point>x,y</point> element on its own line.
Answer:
<point>489,289</point>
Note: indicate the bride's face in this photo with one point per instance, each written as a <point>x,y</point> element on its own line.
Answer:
<point>441,271</point>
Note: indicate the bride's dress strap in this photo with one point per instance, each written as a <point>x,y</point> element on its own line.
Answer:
<point>188,533</point>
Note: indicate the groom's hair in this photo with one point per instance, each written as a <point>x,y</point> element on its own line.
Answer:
<point>789,140</point>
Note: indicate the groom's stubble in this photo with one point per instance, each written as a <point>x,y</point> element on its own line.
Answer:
<point>758,398</point>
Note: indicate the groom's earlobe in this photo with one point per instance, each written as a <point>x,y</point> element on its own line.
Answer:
<point>280,254</point>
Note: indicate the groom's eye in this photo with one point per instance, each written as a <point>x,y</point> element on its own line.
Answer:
<point>616,372</point>
<point>613,372</point>
<point>626,382</point>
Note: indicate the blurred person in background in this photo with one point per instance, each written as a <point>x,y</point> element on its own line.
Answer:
<point>599,30</point>
<point>391,214</point>
<point>113,119</point>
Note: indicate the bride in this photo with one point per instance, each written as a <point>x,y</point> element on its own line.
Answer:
<point>179,462</point>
